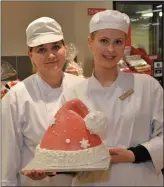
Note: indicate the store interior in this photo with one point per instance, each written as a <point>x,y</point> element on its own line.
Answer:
<point>144,51</point>
<point>146,31</point>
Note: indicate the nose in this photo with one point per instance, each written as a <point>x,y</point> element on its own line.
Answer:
<point>52,56</point>
<point>111,47</point>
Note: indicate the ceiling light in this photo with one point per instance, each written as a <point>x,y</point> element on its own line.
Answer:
<point>159,6</point>
<point>147,15</point>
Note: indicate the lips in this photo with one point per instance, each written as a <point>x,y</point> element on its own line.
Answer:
<point>109,57</point>
<point>51,62</point>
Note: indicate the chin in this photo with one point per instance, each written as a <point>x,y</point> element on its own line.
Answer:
<point>109,65</point>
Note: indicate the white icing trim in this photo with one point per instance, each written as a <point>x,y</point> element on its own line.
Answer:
<point>60,158</point>
<point>96,122</point>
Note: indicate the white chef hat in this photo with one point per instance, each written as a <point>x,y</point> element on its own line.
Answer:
<point>43,30</point>
<point>111,19</point>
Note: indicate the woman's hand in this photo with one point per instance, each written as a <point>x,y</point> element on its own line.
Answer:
<point>121,155</point>
<point>37,174</point>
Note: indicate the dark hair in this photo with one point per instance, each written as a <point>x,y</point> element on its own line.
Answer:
<point>30,49</point>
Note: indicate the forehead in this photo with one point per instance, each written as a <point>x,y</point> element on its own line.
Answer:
<point>110,33</point>
<point>48,44</point>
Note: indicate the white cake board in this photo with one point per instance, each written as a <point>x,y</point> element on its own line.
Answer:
<point>103,165</point>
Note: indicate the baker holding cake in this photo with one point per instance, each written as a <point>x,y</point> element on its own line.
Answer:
<point>28,108</point>
<point>133,104</point>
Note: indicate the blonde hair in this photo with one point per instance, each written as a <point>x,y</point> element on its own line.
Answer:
<point>92,35</point>
<point>34,68</point>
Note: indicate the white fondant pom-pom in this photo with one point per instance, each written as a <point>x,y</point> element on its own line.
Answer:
<point>96,122</point>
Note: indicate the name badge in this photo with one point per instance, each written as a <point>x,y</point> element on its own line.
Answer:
<point>126,94</point>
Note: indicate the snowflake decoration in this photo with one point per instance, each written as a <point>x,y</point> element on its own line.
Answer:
<point>84,143</point>
<point>68,141</point>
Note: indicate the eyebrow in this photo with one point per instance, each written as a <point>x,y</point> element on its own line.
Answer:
<point>109,38</point>
<point>119,38</point>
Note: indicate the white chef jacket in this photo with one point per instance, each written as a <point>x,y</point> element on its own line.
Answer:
<point>27,111</point>
<point>138,119</point>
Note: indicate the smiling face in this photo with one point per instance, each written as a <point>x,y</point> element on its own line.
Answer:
<point>107,46</point>
<point>48,58</point>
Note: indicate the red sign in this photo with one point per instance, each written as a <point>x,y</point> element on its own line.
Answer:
<point>92,11</point>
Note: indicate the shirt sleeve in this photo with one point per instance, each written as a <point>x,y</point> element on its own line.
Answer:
<point>11,141</point>
<point>155,144</point>
<point>141,154</point>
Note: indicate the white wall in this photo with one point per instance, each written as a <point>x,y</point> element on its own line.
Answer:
<point>72,16</point>
<point>17,15</point>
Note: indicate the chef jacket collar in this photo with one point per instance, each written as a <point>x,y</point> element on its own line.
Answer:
<point>95,84</point>
<point>45,88</point>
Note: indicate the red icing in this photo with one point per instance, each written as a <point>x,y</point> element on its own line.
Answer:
<point>69,125</point>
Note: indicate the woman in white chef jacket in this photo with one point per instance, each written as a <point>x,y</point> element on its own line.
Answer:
<point>133,104</point>
<point>27,109</point>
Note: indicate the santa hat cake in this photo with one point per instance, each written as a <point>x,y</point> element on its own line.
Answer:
<point>72,142</point>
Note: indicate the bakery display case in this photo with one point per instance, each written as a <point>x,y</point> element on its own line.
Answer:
<point>145,38</point>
